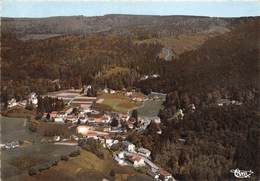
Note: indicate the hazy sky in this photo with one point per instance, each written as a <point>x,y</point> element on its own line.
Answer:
<point>40,8</point>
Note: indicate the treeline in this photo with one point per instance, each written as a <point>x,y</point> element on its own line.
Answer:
<point>48,104</point>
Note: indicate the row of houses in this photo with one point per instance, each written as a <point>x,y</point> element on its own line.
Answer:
<point>10,145</point>
<point>90,117</point>
<point>139,158</point>
<point>153,76</point>
<point>31,99</point>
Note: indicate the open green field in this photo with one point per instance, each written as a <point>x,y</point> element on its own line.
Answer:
<point>116,102</point>
<point>151,107</point>
<point>85,167</point>
<point>19,113</point>
<point>13,129</point>
<point>16,162</point>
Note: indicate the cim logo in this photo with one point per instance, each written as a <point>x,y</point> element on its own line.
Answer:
<point>241,173</point>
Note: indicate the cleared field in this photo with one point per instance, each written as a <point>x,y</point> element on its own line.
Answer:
<point>16,162</point>
<point>65,94</point>
<point>116,102</point>
<point>86,166</point>
<point>15,129</point>
<point>151,107</point>
<point>180,44</point>
<point>18,112</point>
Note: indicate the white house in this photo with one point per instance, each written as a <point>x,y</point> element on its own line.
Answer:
<point>33,98</point>
<point>193,108</point>
<point>118,160</point>
<point>129,93</point>
<point>129,146</point>
<point>12,102</point>
<point>11,145</point>
<point>121,155</point>
<point>82,120</point>
<point>155,75</point>
<point>110,142</point>
<point>86,88</point>
<point>156,120</point>
<point>59,119</point>
<point>69,111</point>
<point>179,114</point>
<point>154,175</point>
<point>56,138</point>
<point>145,77</point>
<point>223,102</point>
<point>112,91</point>
<point>144,152</point>
<point>105,90</point>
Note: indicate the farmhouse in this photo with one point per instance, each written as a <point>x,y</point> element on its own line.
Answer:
<point>121,155</point>
<point>136,160</point>
<point>99,118</point>
<point>59,120</point>
<point>71,118</point>
<point>154,175</point>
<point>110,142</point>
<point>129,94</point>
<point>226,102</point>
<point>144,152</point>
<point>138,98</point>
<point>124,116</point>
<point>164,175</point>
<point>12,102</point>
<point>33,98</point>
<point>84,129</point>
<point>105,90</point>
<point>156,120</point>
<point>129,146</point>
<point>119,160</point>
<point>112,91</point>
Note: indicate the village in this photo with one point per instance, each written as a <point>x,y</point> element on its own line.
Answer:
<point>108,118</point>
<point>108,127</point>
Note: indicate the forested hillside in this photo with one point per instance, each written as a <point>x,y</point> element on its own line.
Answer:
<point>216,59</point>
<point>118,23</point>
<point>222,61</point>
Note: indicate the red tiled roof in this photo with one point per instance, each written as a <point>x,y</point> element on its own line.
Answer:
<point>164,173</point>
<point>134,158</point>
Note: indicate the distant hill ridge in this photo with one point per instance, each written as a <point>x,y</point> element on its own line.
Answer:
<point>113,22</point>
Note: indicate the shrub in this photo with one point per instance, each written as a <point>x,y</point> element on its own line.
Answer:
<point>112,173</point>
<point>64,158</point>
<point>93,146</point>
<point>55,163</point>
<point>75,153</point>
<point>32,171</point>
<point>45,166</point>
